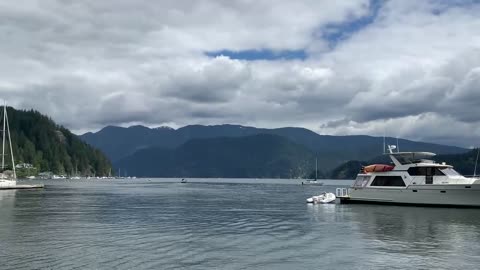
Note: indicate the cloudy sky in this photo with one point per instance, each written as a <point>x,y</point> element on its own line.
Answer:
<point>411,68</point>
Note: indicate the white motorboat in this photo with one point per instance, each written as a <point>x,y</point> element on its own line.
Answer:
<point>326,197</point>
<point>413,179</point>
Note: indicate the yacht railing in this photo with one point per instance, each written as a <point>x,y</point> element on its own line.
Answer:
<point>341,192</point>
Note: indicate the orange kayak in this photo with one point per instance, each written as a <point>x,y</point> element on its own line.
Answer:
<point>377,168</point>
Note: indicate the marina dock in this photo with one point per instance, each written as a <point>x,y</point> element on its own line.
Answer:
<point>23,187</point>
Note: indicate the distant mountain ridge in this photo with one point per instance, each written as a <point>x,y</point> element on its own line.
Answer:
<point>256,156</point>
<point>119,143</point>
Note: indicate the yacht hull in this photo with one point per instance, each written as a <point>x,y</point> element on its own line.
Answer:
<point>419,195</point>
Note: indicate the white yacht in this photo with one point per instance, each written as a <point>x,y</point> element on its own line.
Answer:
<point>413,179</point>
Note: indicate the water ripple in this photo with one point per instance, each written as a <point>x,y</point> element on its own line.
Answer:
<point>166,225</point>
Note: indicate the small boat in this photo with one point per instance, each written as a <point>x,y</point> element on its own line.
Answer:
<point>326,197</point>
<point>183,181</point>
<point>314,181</point>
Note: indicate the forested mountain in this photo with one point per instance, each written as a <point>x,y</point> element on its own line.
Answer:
<point>118,142</point>
<point>463,163</point>
<point>265,156</point>
<point>348,170</point>
<point>37,140</point>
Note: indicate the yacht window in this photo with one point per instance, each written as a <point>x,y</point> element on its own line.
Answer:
<point>388,181</point>
<point>450,172</point>
<point>361,181</point>
<point>404,159</point>
<point>415,171</point>
<point>409,159</point>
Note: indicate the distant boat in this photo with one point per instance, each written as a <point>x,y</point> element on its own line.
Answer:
<point>8,178</point>
<point>314,181</point>
<point>183,181</point>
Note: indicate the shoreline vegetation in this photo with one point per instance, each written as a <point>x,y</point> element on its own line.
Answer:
<point>41,147</point>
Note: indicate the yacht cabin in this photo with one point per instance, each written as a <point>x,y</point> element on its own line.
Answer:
<point>411,168</point>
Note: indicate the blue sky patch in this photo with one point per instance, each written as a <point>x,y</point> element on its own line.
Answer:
<point>335,33</point>
<point>263,54</point>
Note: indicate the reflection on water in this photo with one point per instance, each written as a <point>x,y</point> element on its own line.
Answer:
<point>7,197</point>
<point>225,225</point>
<point>429,237</point>
<point>7,206</point>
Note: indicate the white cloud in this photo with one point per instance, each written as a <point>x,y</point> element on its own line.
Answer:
<point>92,63</point>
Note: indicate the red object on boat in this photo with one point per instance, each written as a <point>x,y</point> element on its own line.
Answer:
<point>377,168</point>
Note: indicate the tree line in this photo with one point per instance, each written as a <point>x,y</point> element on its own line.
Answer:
<point>38,140</point>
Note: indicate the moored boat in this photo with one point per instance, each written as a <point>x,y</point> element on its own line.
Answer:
<point>326,197</point>
<point>8,176</point>
<point>414,179</point>
<point>313,181</point>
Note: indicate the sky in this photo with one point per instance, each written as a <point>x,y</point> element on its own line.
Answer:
<point>407,68</point>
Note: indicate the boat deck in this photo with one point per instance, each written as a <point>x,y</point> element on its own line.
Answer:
<point>342,199</point>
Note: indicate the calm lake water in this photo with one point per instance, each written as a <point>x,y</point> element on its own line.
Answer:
<point>224,224</point>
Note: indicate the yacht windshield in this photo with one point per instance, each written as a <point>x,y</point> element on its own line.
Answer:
<point>450,172</point>
<point>413,157</point>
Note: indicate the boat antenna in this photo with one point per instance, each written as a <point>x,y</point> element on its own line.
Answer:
<point>10,142</point>
<point>398,148</point>
<point>476,161</point>
<point>383,151</point>
<point>3,135</point>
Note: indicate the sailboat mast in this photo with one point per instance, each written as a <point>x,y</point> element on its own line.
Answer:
<point>476,161</point>
<point>10,142</point>
<point>316,168</point>
<point>383,151</point>
<point>3,135</point>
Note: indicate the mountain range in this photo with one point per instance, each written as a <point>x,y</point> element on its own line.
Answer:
<point>223,150</point>
<point>262,155</point>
